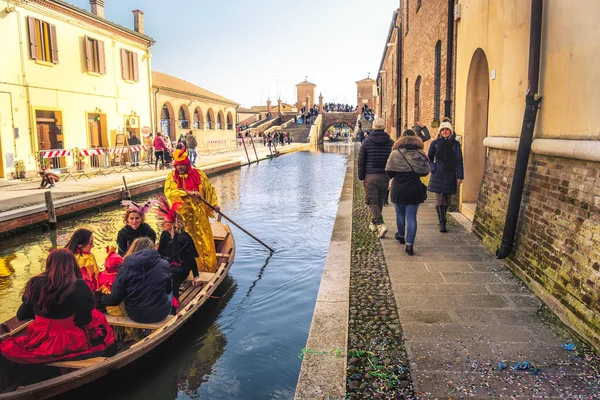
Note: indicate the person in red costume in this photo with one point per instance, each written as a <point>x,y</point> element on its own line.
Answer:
<point>81,244</point>
<point>66,324</point>
<point>107,278</point>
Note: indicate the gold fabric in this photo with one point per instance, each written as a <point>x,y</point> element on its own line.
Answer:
<point>195,216</point>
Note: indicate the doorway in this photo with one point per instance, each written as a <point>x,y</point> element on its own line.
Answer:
<point>476,129</point>
<point>49,134</point>
<point>98,137</point>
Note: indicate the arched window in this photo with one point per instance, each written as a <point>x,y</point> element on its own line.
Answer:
<point>165,121</point>
<point>209,120</point>
<point>417,109</point>
<point>196,123</point>
<point>184,122</point>
<point>406,104</point>
<point>229,122</point>
<point>437,81</point>
<point>220,120</point>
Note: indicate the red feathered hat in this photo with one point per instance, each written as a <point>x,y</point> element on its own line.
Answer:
<point>113,261</point>
<point>166,212</point>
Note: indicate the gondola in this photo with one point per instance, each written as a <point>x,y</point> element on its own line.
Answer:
<point>75,373</point>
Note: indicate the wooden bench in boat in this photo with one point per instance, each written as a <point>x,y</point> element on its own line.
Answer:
<point>129,323</point>
<point>219,232</point>
<point>77,364</point>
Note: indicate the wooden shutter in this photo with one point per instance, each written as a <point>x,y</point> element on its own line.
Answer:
<point>124,65</point>
<point>32,38</point>
<point>53,44</point>
<point>101,59</point>
<point>88,54</point>
<point>136,72</point>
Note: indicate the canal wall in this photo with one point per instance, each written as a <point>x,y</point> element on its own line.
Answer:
<point>25,218</point>
<point>323,371</point>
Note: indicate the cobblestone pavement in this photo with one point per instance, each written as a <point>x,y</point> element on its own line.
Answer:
<point>377,367</point>
<point>473,330</point>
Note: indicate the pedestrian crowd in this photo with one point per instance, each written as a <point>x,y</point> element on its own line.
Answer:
<point>333,107</point>
<point>405,162</point>
<point>367,113</point>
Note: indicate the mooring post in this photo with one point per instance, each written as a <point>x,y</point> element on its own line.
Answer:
<point>51,211</point>
<point>127,194</point>
<point>254,147</point>
<point>245,149</point>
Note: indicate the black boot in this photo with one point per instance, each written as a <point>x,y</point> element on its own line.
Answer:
<point>441,212</point>
<point>409,249</point>
<point>444,214</point>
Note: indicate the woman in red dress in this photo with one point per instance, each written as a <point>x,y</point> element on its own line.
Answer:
<point>66,324</point>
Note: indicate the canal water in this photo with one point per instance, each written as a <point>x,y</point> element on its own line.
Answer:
<point>244,343</point>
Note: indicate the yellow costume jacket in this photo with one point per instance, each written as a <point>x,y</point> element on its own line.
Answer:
<point>195,216</point>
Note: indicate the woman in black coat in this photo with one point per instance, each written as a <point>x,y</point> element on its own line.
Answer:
<point>144,282</point>
<point>135,227</point>
<point>406,164</point>
<point>447,171</point>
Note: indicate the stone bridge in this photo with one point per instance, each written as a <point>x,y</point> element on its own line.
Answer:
<point>333,118</point>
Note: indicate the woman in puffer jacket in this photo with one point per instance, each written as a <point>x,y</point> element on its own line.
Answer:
<point>144,282</point>
<point>447,171</point>
<point>406,164</point>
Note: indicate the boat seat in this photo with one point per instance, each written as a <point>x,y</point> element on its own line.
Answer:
<point>77,364</point>
<point>206,276</point>
<point>222,255</point>
<point>219,231</point>
<point>129,323</point>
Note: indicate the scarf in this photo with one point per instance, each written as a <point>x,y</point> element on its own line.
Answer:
<point>189,181</point>
<point>445,152</point>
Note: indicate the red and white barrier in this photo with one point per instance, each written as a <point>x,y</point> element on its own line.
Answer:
<point>56,153</point>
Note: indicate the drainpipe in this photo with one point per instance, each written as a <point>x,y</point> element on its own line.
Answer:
<point>532,101</point>
<point>449,59</point>
<point>156,124</point>
<point>30,115</point>
<point>399,79</point>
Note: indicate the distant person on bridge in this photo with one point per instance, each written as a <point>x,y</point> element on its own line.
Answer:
<point>188,184</point>
<point>372,158</point>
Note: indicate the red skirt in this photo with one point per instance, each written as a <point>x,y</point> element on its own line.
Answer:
<point>49,340</point>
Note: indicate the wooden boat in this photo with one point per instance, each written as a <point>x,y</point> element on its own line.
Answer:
<point>76,373</point>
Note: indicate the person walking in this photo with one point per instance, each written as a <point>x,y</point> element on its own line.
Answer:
<point>135,154</point>
<point>372,158</point>
<point>192,144</point>
<point>160,147</point>
<point>447,171</point>
<point>406,164</point>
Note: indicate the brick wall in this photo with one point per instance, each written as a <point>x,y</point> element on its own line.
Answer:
<point>557,243</point>
<point>426,26</point>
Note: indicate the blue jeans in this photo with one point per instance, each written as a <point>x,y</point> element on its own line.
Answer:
<point>406,214</point>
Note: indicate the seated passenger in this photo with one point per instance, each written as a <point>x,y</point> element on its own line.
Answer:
<point>144,282</point>
<point>107,278</point>
<point>81,244</point>
<point>66,325</point>
<point>135,226</point>
<point>177,246</point>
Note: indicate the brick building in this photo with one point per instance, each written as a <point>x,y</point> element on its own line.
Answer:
<point>557,240</point>
<point>366,92</point>
<point>306,94</point>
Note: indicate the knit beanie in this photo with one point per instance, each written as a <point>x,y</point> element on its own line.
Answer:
<point>445,124</point>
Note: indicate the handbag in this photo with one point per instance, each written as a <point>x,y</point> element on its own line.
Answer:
<point>423,186</point>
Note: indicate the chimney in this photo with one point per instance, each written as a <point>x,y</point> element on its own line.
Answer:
<point>97,7</point>
<point>138,21</point>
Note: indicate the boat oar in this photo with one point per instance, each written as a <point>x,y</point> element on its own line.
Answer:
<point>236,224</point>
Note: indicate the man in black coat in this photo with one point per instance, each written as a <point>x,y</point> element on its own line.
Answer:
<point>372,159</point>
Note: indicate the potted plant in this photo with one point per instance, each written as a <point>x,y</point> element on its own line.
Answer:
<point>20,169</point>
<point>79,159</point>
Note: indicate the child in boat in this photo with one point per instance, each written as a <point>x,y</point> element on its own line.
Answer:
<point>107,278</point>
<point>81,244</point>
<point>135,227</point>
<point>177,246</point>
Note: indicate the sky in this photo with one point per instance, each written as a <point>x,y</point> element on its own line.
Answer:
<point>247,51</point>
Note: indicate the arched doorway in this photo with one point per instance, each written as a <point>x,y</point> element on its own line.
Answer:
<point>166,116</point>
<point>476,125</point>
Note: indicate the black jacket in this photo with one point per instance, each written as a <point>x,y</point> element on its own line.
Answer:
<point>179,251</point>
<point>127,235</point>
<point>373,154</point>
<point>406,164</point>
<point>79,303</point>
<point>144,282</point>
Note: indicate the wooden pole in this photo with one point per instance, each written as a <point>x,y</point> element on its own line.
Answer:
<point>51,210</point>
<point>127,194</point>
<point>245,149</point>
<point>254,147</point>
<point>236,224</point>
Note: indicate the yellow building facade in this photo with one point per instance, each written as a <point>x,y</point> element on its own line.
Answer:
<point>557,238</point>
<point>69,79</point>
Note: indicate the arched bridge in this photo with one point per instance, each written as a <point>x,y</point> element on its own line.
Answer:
<point>334,118</point>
